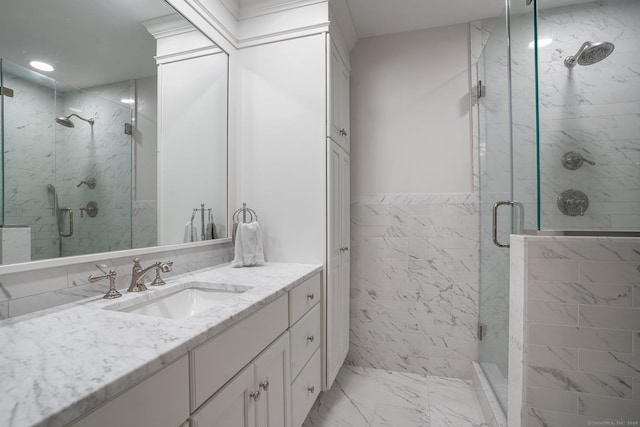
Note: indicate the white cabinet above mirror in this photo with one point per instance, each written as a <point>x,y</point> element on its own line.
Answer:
<point>106,85</point>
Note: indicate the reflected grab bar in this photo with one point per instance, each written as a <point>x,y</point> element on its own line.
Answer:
<point>70,222</point>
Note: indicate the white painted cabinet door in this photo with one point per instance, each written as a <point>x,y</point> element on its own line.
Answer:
<point>272,379</point>
<point>232,406</point>
<point>337,302</point>
<point>338,115</point>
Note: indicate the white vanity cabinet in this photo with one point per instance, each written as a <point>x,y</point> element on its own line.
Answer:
<point>338,259</point>
<point>160,400</point>
<point>338,116</point>
<point>232,387</point>
<point>256,397</point>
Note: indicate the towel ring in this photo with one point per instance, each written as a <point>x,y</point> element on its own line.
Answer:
<point>244,210</point>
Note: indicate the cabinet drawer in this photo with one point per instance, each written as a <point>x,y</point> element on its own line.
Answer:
<point>305,390</point>
<point>305,339</point>
<point>219,359</point>
<point>303,297</point>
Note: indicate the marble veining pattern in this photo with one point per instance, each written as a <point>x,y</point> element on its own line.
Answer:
<point>414,283</point>
<point>366,397</point>
<point>592,110</point>
<point>45,382</point>
<point>584,368</point>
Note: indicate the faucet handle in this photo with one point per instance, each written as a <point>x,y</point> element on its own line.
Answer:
<point>165,267</point>
<point>112,292</point>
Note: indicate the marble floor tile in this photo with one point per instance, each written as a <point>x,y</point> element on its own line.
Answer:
<point>377,398</point>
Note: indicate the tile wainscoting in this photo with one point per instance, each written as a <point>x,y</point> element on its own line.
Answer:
<point>575,324</point>
<point>414,283</point>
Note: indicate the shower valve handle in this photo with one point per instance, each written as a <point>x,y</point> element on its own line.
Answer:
<point>91,183</point>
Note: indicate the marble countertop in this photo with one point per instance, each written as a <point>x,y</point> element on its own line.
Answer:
<point>59,364</point>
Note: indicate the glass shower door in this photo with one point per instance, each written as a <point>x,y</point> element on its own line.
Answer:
<point>495,184</point>
<point>506,118</point>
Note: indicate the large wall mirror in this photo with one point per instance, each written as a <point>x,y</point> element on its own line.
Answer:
<point>124,144</point>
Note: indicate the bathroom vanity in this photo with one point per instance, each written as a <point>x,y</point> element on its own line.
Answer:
<point>253,358</point>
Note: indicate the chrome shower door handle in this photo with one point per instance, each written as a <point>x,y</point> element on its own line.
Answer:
<point>494,227</point>
<point>70,211</point>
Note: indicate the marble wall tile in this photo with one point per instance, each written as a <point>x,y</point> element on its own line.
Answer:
<point>621,410</point>
<point>554,400</point>
<point>414,282</point>
<point>580,381</point>
<point>553,313</point>
<point>586,372</point>
<point>544,418</point>
<point>609,317</point>
<point>580,337</point>
<point>611,362</point>
<point>581,293</point>
<point>553,357</point>
<point>15,245</point>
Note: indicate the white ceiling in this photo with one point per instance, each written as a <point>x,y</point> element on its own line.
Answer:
<point>93,42</point>
<point>88,42</point>
<point>377,17</point>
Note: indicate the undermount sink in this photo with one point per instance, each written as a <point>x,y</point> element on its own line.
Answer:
<point>195,298</point>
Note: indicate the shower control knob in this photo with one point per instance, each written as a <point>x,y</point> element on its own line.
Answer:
<point>573,202</point>
<point>573,160</point>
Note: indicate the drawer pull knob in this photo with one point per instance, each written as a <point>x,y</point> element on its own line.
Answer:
<point>310,338</point>
<point>255,395</point>
<point>311,389</point>
<point>264,385</point>
<point>311,296</point>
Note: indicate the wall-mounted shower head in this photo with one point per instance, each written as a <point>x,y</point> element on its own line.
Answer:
<point>590,53</point>
<point>64,121</point>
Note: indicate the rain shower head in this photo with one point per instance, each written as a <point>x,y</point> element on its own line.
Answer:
<point>590,53</point>
<point>65,121</point>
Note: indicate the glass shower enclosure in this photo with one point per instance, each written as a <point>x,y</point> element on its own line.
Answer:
<point>67,164</point>
<point>557,142</point>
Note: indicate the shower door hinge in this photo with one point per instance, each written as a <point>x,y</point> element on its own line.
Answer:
<point>482,330</point>
<point>480,90</point>
<point>6,91</point>
<point>128,129</point>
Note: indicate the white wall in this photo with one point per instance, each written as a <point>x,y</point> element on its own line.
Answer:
<point>410,113</point>
<point>146,138</point>
<point>280,97</point>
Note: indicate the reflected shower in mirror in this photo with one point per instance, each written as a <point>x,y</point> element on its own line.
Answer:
<point>91,164</point>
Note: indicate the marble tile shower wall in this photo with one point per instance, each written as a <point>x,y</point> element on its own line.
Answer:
<point>582,305</point>
<point>592,109</point>
<point>38,152</point>
<point>414,283</point>
<point>26,292</point>
<point>102,152</point>
<point>144,223</point>
<point>29,162</point>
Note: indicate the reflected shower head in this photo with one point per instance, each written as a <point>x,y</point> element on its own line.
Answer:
<point>51,188</point>
<point>64,121</point>
<point>590,53</point>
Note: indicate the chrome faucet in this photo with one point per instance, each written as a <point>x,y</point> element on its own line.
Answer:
<point>137,274</point>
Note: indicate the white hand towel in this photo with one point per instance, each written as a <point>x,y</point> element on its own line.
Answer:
<point>190,233</point>
<point>248,250</point>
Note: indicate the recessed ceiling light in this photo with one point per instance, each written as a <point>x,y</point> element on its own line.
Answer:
<point>541,43</point>
<point>128,101</point>
<point>42,66</point>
